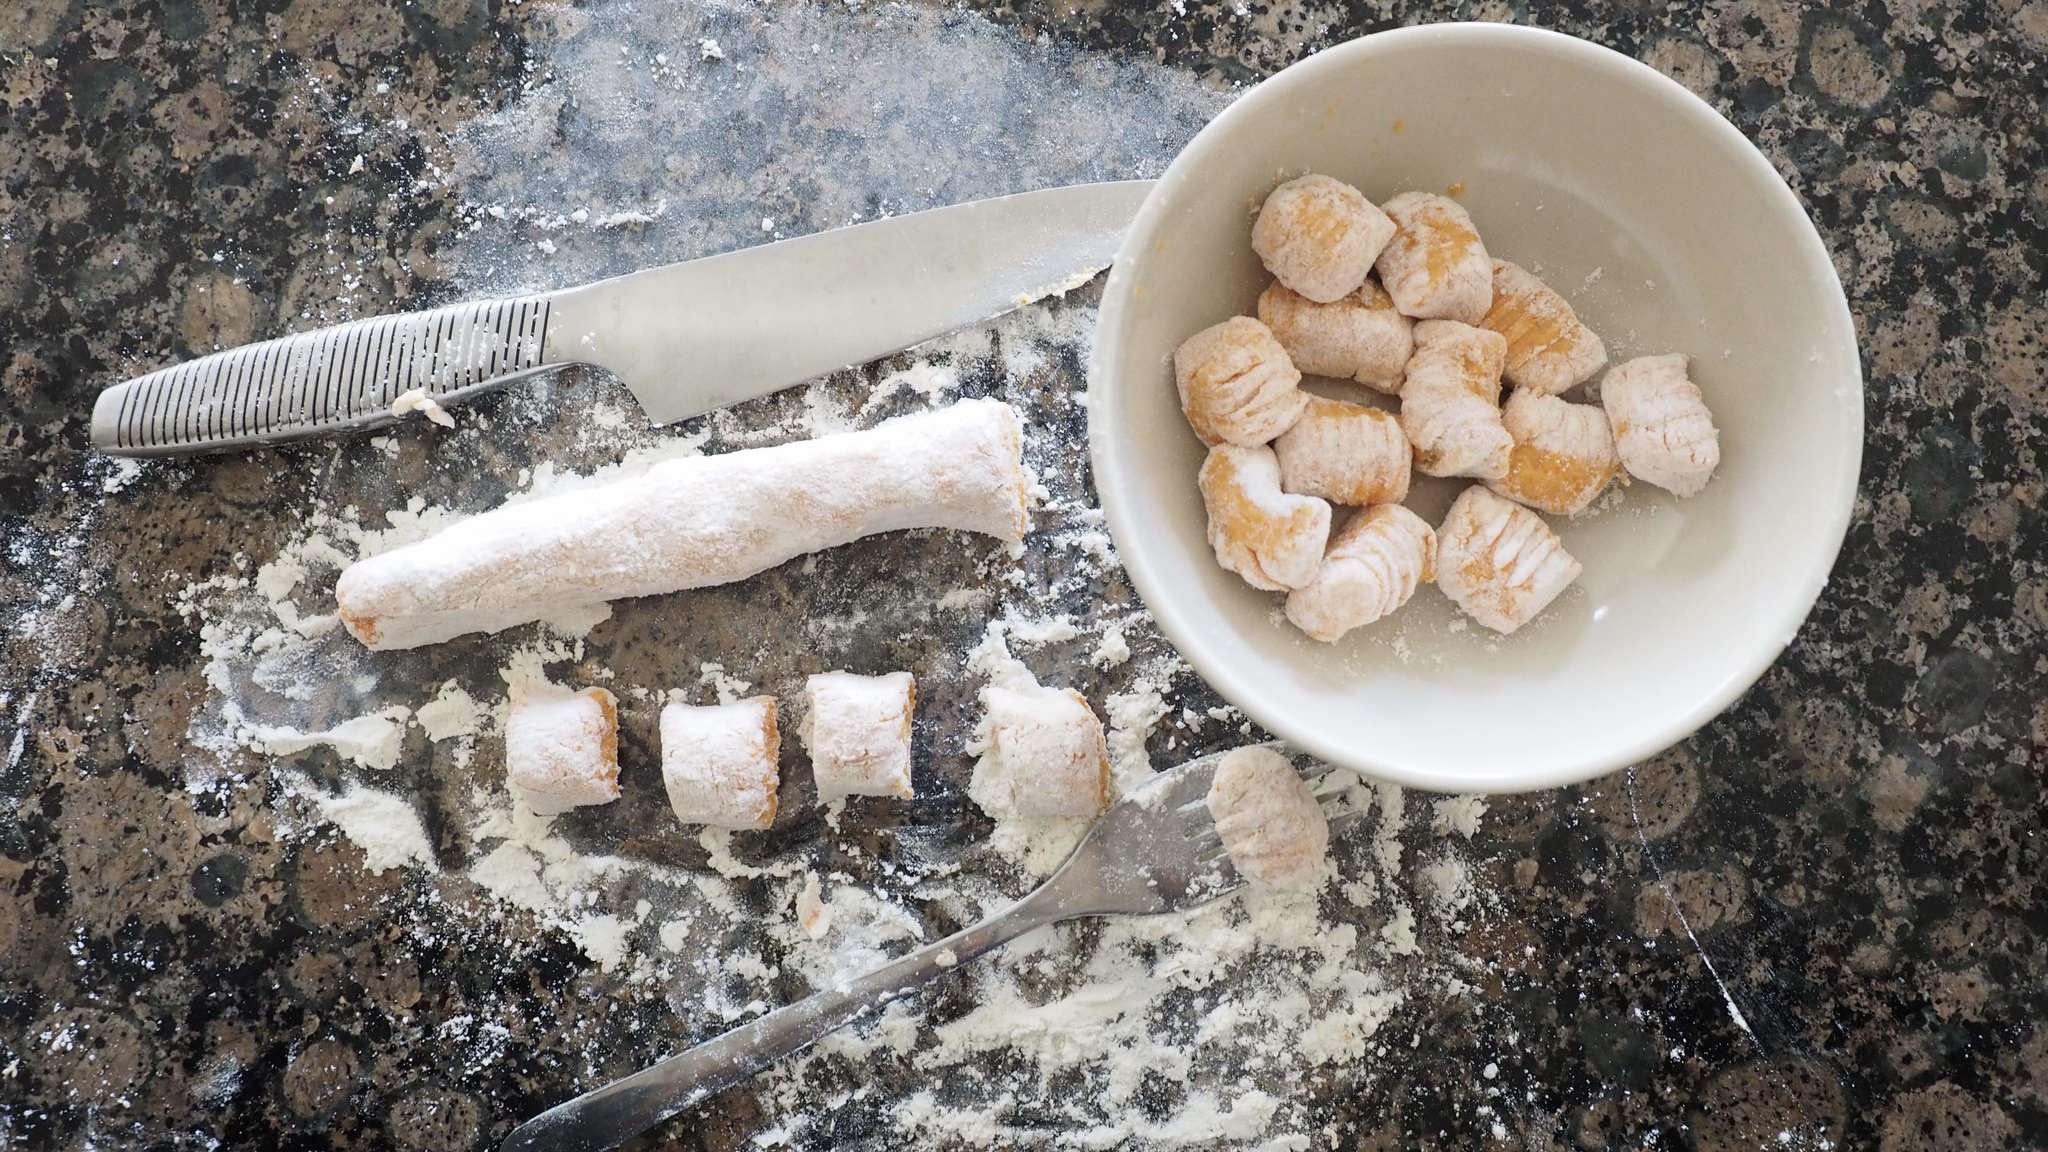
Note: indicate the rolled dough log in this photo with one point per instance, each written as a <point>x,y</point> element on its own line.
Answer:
<point>693,523</point>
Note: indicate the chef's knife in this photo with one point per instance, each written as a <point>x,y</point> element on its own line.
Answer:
<point>685,338</point>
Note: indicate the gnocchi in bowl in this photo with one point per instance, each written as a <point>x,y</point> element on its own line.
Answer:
<point>1663,227</point>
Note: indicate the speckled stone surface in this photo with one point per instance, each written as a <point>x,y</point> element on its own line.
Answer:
<point>1857,845</point>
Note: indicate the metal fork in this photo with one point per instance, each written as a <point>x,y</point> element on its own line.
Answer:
<point>1154,851</point>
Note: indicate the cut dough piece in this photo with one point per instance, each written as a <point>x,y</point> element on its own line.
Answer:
<point>1563,457</point>
<point>1046,755</point>
<point>1319,236</point>
<point>1662,429</point>
<point>1268,818</point>
<point>1237,385</point>
<point>1435,267</point>
<point>1499,561</point>
<point>1345,453</point>
<point>1360,337</point>
<point>1273,540</point>
<point>1549,350</point>
<point>1450,404</point>
<point>1375,563</point>
<point>718,762</point>
<point>692,523</point>
<point>562,748</point>
<point>858,731</point>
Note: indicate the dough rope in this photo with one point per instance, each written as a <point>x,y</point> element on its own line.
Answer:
<point>693,523</point>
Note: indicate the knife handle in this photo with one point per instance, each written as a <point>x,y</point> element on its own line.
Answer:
<point>328,380</point>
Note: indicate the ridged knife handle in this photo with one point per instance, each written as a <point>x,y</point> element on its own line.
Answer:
<point>324,381</point>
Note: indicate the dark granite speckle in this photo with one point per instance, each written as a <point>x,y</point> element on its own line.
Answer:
<point>1856,848</point>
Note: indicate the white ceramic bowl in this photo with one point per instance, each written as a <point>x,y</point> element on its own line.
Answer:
<point>1668,232</point>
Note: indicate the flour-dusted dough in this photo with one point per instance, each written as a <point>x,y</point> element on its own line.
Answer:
<point>718,762</point>
<point>1374,564</point>
<point>1360,337</point>
<point>1268,818</point>
<point>1450,404</point>
<point>1662,429</point>
<point>692,523</point>
<point>1549,350</point>
<point>858,731</point>
<point>1319,236</point>
<point>1237,385</point>
<point>1274,540</point>
<point>1345,453</point>
<point>1049,754</point>
<point>562,748</point>
<point>1499,561</point>
<point>1435,267</point>
<point>1563,457</point>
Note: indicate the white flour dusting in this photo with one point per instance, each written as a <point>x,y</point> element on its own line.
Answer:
<point>1169,1032</point>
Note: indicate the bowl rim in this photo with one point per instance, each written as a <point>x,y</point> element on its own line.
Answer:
<point>1205,653</point>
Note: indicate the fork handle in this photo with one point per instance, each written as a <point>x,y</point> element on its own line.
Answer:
<point>625,1108</point>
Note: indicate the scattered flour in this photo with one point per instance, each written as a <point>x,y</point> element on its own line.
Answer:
<point>373,741</point>
<point>386,827</point>
<point>1086,1033</point>
<point>1459,815</point>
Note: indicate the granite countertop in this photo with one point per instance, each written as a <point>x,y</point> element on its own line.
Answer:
<point>1817,923</point>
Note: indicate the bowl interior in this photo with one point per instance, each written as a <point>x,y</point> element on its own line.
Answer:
<point>1668,232</point>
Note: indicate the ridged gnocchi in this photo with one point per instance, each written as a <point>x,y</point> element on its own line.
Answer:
<point>1268,819</point>
<point>1373,565</point>
<point>1435,267</point>
<point>1271,538</point>
<point>1360,337</point>
<point>1441,324</point>
<point>1237,384</point>
<point>1563,456</point>
<point>1549,350</point>
<point>1662,429</point>
<point>1450,404</point>
<point>1320,236</point>
<point>1346,454</point>
<point>1499,561</point>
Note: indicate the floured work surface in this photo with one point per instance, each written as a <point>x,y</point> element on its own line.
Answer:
<point>267,886</point>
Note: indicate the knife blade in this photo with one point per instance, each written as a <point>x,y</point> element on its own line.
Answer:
<point>684,338</point>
